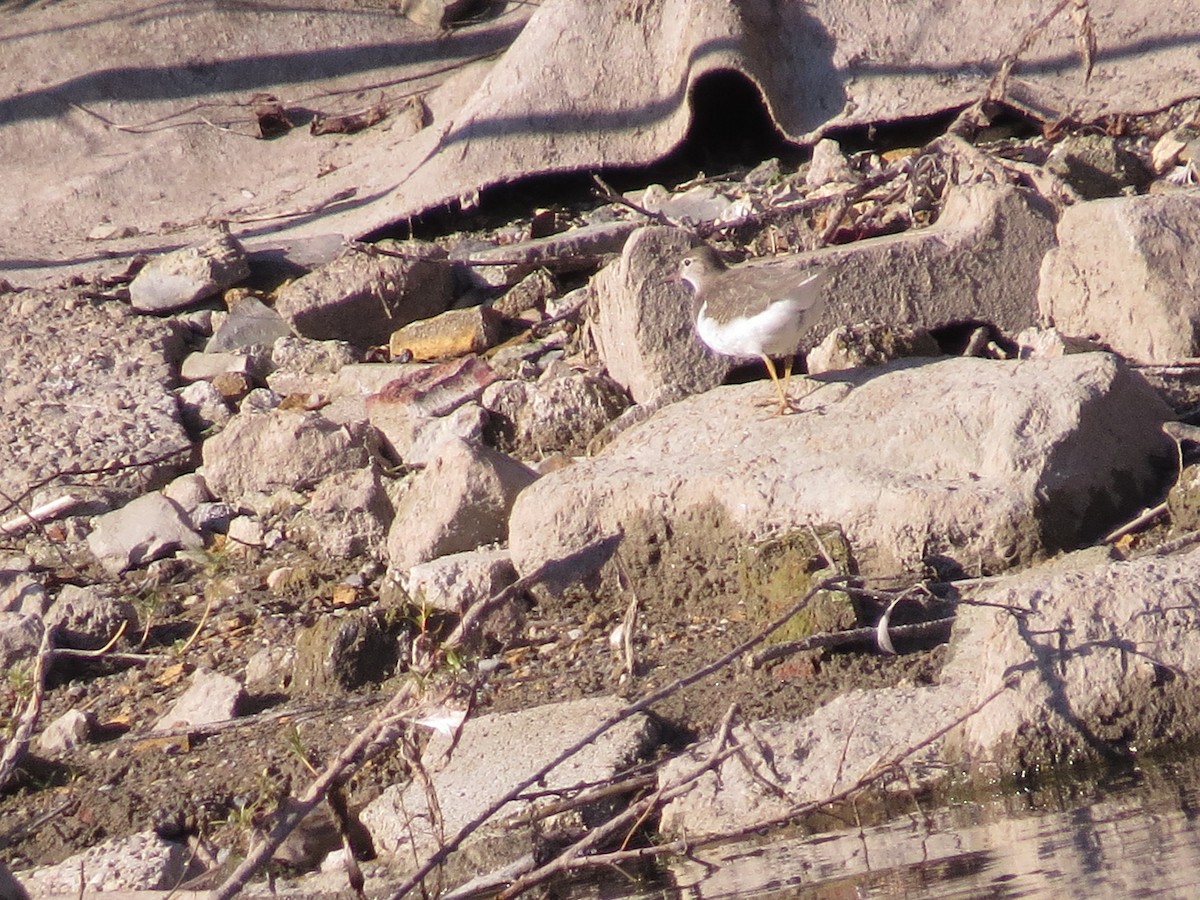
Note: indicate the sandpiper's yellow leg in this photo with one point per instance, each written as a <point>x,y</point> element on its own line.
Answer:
<point>780,386</point>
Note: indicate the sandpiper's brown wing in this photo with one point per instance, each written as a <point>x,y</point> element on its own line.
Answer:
<point>747,290</point>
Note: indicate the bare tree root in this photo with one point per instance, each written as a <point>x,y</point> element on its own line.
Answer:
<point>398,716</point>
<point>723,747</point>
<point>976,115</point>
<point>879,772</point>
<point>14,752</point>
<point>351,757</point>
<point>80,471</point>
<point>849,638</point>
<point>16,748</point>
<point>1085,41</point>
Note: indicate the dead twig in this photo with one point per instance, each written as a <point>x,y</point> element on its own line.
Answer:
<point>1178,432</point>
<point>894,763</point>
<point>1179,543</point>
<point>1142,519</point>
<point>375,250</point>
<point>629,623</point>
<point>605,192</point>
<point>166,122</point>
<point>573,859</point>
<point>136,659</point>
<point>1085,40</point>
<point>39,514</point>
<point>333,773</point>
<point>199,626</point>
<point>210,728</point>
<point>624,784</point>
<point>721,750</point>
<point>841,201</point>
<point>310,210</point>
<point>852,637</point>
<point>18,744</point>
<point>24,830</point>
<point>106,469</point>
<point>578,862</point>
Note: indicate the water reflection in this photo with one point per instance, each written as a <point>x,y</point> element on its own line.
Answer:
<point>1135,836</point>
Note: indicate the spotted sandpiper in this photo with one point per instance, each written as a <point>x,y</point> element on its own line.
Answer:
<point>749,311</point>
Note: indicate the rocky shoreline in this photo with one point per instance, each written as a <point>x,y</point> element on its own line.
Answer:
<point>428,538</point>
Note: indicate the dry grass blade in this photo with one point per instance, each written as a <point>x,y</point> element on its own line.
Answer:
<point>1085,39</point>
<point>1085,36</point>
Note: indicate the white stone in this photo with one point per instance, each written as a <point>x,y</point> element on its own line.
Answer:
<point>183,277</point>
<point>643,322</point>
<point>211,697</point>
<point>459,580</point>
<point>70,730</point>
<point>146,529</point>
<point>1121,272</point>
<point>20,637</point>
<point>139,862</point>
<point>262,451</point>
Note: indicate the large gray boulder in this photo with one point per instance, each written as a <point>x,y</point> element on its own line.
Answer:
<point>1105,653</point>
<point>960,464</point>
<point>1088,659</point>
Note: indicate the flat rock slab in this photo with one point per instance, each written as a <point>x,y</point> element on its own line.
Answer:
<point>80,75</point>
<point>589,82</point>
<point>959,464</point>
<point>560,100</point>
<point>809,760</point>
<point>85,386</point>
<point>980,260</point>
<point>1105,653</point>
<point>1084,659</point>
<point>496,752</point>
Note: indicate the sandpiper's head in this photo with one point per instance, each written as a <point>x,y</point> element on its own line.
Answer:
<point>699,265</point>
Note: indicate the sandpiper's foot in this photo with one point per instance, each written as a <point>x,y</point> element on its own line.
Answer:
<point>781,385</point>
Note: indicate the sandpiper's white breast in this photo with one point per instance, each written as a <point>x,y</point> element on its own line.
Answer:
<point>775,331</point>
